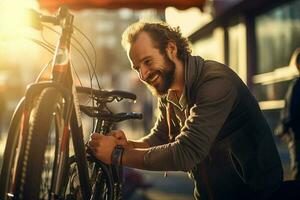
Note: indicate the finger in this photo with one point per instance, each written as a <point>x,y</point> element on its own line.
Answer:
<point>94,143</point>
<point>118,134</point>
<point>113,133</point>
<point>94,150</point>
<point>96,136</point>
<point>121,142</point>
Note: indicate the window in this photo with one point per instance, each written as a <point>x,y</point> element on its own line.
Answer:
<point>277,33</point>
<point>212,47</point>
<point>237,50</point>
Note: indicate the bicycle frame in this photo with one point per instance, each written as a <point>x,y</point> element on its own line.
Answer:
<point>62,79</point>
<point>68,112</point>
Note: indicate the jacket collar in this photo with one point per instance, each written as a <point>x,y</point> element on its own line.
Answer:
<point>193,67</point>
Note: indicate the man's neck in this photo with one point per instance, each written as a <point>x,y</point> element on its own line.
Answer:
<point>178,84</point>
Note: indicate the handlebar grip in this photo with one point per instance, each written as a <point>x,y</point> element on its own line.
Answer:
<point>36,18</point>
<point>134,115</point>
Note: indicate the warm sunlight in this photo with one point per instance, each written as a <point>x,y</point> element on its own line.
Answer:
<point>13,17</point>
<point>176,17</point>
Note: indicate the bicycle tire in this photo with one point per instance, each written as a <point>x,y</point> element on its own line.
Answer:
<point>42,116</point>
<point>103,186</point>
<point>100,178</point>
<point>11,151</point>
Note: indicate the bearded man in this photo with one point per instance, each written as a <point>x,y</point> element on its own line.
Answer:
<point>209,124</point>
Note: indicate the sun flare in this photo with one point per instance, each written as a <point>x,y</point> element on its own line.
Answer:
<point>14,17</point>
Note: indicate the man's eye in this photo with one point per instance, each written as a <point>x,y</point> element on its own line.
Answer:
<point>147,62</point>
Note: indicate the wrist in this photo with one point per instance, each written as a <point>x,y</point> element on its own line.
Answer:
<point>130,145</point>
<point>116,156</point>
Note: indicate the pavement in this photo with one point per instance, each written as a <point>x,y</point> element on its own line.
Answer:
<point>176,186</point>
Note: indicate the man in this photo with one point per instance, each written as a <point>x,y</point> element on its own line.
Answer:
<point>209,124</point>
<point>289,126</point>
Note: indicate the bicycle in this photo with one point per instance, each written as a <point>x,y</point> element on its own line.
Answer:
<point>36,162</point>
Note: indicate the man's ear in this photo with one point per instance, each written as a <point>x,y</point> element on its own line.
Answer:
<point>171,50</point>
<point>169,54</point>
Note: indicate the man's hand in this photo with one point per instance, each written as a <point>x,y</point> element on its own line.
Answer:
<point>121,139</point>
<point>102,146</point>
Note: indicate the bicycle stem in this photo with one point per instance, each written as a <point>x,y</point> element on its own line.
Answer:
<point>61,61</point>
<point>103,126</point>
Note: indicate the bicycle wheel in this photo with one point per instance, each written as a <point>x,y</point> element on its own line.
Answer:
<point>37,167</point>
<point>103,187</point>
<point>100,178</point>
<point>11,152</point>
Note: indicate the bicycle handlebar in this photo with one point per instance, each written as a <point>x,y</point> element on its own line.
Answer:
<point>38,18</point>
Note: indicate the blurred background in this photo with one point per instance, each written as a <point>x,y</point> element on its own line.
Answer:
<point>254,37</point>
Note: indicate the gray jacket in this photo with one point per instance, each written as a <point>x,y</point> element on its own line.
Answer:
<point>224,140</point>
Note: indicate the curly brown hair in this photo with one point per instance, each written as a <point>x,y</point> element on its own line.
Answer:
<point>161,34</point>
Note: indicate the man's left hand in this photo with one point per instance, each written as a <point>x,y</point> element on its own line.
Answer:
<point>102,146</point>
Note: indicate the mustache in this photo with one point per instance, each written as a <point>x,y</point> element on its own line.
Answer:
<point>152,75</point>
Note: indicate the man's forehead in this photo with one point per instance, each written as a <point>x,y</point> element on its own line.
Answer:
<point>140,47</point>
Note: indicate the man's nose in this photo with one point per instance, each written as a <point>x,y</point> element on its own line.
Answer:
<point>143,72</point>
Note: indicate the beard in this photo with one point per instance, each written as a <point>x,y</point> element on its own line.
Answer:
<point>166,75</point>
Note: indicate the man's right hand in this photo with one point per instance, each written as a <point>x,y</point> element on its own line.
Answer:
<point>121,139</point>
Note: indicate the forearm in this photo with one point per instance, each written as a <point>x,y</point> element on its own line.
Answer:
<point>157,158</point>
<point>134,158</point>
<point>133,155</point>
<point>137,144</point>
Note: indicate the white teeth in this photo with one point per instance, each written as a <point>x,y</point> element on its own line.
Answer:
<point>154,78</point>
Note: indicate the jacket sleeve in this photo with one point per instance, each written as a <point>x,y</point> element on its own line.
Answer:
<point>214,102</point>
<point>283,125</point>
<point>159,133</point>
<point>295,109</point>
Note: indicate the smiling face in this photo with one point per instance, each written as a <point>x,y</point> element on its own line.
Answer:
<point>155,69</point>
